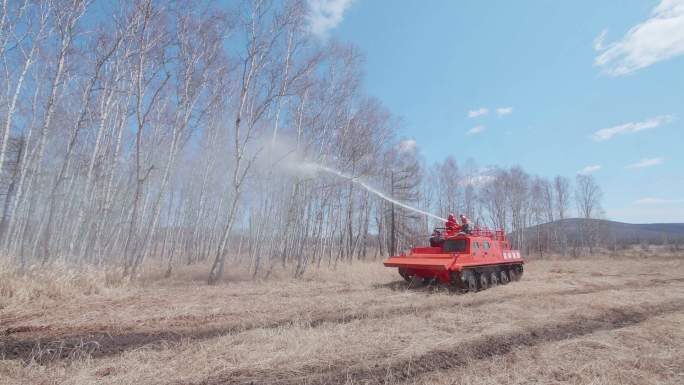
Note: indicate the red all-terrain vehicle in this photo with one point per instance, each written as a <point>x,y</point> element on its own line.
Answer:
<point>470,261</point>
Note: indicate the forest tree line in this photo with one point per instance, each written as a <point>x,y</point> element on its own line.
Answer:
<point>142,129</point>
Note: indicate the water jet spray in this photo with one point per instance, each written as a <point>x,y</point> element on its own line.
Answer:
<point>318,167</point>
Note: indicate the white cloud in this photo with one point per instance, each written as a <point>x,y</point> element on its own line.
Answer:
<point>407,145</point>
<point>478,177</point>
<point>589,169</point>
<point>325,15</point>
<point>475,130</point>
<point>658,38</point>
<point>648,213</point>
<point>479,112</point>
<point>476,180</point>
<point>598,41</point>
<point>646,162</point>
<point>656,201</point>
<point>501,111</point>
<point>631,127</point>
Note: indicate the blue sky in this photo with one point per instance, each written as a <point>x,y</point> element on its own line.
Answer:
<point>556,87</point>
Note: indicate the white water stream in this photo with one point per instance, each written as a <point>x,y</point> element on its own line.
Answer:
<point>371,189</point>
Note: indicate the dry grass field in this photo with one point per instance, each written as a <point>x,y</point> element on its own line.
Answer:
<point>582,321</point>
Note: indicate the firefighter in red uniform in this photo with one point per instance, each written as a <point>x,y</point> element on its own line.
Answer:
<point>465,224</point>
<point>451,224</point>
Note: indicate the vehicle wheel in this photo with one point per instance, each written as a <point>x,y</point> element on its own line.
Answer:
<point>484,284</point>
<point>504,277</point>
<point>493,279</point>
<point>472,283</point>
<point>455,282</point>
<point>513,274</point>
<point>404,274</point>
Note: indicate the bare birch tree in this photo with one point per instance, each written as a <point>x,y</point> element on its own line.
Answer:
<point>200,132</point>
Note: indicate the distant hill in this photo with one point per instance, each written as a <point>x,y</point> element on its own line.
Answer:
<point>618,231</point>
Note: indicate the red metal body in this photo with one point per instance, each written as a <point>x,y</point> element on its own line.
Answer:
<point>482,254</point>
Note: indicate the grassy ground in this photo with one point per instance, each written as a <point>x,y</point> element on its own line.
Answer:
<point>583,321</point>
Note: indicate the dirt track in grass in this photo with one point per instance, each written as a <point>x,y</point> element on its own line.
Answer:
<point>361,325</point>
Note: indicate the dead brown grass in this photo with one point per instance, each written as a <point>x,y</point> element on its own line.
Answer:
<point>601,321</point>
<point>54,283</point>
